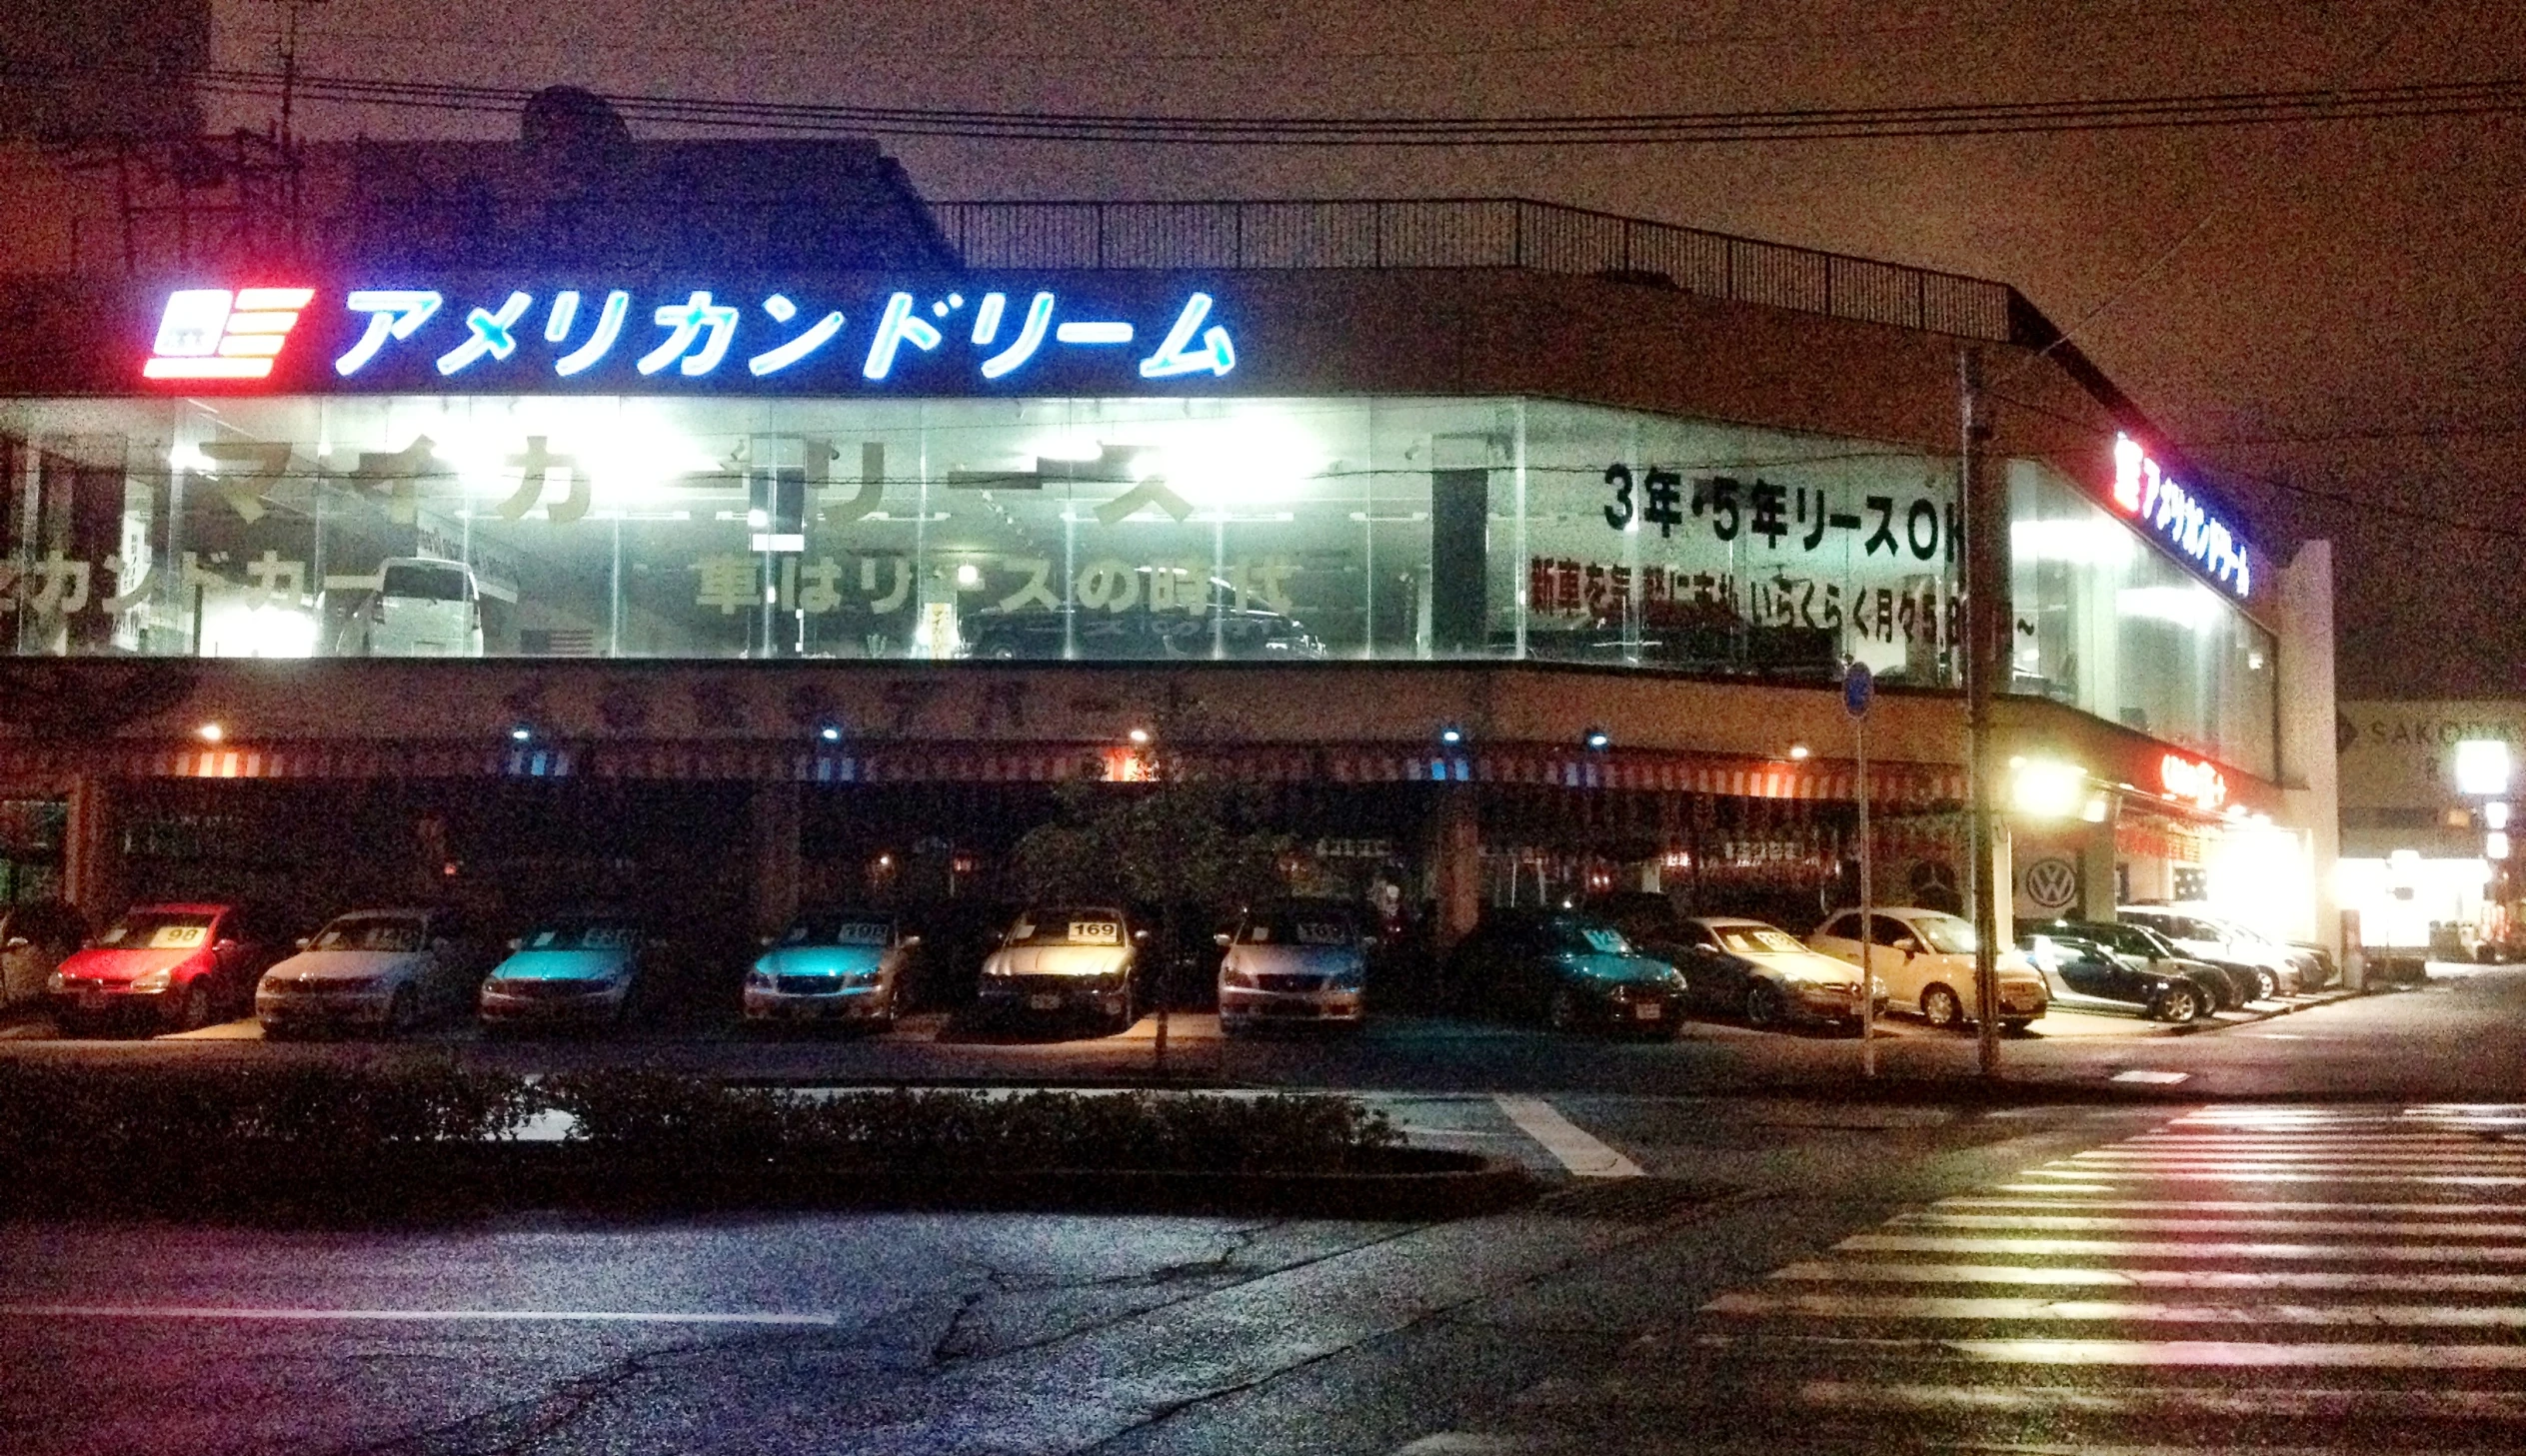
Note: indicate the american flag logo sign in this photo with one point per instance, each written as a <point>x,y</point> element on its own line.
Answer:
<point>214,333</point>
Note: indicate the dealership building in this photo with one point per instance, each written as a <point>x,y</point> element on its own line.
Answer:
<point>721,523</point>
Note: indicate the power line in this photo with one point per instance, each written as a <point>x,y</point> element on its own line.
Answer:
<point>2422,101</point>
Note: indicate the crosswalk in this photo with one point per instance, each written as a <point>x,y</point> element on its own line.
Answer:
<point>2241,1278</point>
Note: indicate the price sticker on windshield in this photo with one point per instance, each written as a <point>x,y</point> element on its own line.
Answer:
<point>860,932</point>
<point>179,937</point>
<point>1322,932</point>
<point>1095,933</point>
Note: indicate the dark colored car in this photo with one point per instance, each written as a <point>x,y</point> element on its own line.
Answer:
<point>2085,976</point>
<point>36,936</point>
<point>2228,986</point>
<point>1566,970</point>
<point>1646,918</point>
<point>171,968</point>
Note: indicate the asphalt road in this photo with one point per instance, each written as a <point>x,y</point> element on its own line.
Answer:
<point>1714,1273</point>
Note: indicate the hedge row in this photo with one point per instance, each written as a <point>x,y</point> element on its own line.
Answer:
<point>401,1136</point>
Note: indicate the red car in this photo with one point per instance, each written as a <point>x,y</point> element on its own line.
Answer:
<point>175,967</point>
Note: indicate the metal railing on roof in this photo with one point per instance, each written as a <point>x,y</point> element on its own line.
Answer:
<point>1472,232</point>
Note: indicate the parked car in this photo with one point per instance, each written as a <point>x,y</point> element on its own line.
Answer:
<point>1926,959</point>
<point>1566,969</point>
<point>1296,962</point>
<point>172,967</point>
<point>832,965</point>
<point>1646,918</point>
<point>35,937</point>
<point>2307,967</point>
<point>1067,961</point>
<point>583,970</point>
<point>2083,975</point>
<point>1765,975</point>
<point>2144,948</point>
<point>381,971</point>
<point>2207,939</point>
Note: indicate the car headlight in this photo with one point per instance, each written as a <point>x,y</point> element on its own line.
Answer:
<point>861,978</point>
<point>759,978</point>
<point>156,981</point>
<point>1237,978</point>
<point>1346,980</point>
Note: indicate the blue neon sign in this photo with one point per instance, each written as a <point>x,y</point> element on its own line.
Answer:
<point>521,337</point>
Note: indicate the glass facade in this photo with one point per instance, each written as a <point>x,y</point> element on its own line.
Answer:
<point>1032,529</point>
<point>2114,627</point>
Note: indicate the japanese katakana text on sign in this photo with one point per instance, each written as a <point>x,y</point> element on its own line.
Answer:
<point>529,338</point>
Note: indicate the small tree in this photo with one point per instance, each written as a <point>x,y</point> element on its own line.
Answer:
<point>1185,845</point>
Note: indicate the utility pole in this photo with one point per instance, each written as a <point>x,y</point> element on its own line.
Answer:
<point>1985,644</point>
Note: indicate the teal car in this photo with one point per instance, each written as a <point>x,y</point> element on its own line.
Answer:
<point>845,965</point>
<point>583,972</point>
<point>1570,971</point>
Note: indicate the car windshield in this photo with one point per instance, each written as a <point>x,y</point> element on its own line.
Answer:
<point>1946,935</point>
<point>842,930</point>
<point>158,930</point>
<point>1067,925</point>
<point>1312,925</point>
<point>370,933</point>
<point>1590,938</point>
<point>1757,940</point>
<point>590,935</point>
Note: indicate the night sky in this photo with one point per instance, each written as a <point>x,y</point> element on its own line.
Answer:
<point>2333,315</point>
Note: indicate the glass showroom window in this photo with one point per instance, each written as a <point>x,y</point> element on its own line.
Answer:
<point>2110,625</point>
<point>1023,529</point>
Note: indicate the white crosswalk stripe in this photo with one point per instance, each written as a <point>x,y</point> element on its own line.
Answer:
<point>2299,1279</point>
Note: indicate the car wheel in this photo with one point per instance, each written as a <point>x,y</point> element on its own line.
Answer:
<point>193,1011</point>
<point>1940,1008</point>
<point>2179,1003</point>
<point>403,1011</point>
<point>1763,1004</point>
<point>2015,1029</point>
<point>2266,986</point>
<point>1561,1013</point>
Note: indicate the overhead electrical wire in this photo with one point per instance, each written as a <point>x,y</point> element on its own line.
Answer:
<point>2420,101</point>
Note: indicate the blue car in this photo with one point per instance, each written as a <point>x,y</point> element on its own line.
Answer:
<point>581,970</point>
<point>845,965</point>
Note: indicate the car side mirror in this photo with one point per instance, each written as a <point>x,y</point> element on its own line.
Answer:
<point>765,940</point>
<point>911,942</point>
<point>516,943</point>
<point>225,947</point>
<point>304,941</point>
<point>1222,939</point>
<point>1140,935</point>
<point>16,942</point>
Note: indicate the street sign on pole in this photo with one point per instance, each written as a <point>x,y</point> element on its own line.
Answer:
<point>1859,689</point>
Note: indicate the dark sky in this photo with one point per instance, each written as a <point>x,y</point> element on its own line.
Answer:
<point>2338,307</point>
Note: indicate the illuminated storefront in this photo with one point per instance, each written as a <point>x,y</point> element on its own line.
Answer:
<point>816,540</point>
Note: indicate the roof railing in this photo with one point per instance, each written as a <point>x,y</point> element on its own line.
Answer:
<point>1475,233</point>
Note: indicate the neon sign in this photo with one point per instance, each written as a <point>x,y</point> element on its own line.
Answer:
<point>519,335</point>
<point>2149,495</point>
<point>2194,782</point>
<point>210,332</point>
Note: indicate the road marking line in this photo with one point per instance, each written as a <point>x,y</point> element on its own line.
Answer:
<point>575,1316</point>
<point>2242,1354</point>
<point>2090,1224</point>
<point>1898,1306</point>
<point>2194,1176</point>
<point>2228,1205</point>
<point>2143,1074</point>
<point>1582,1154</point>
<point>2341,1281</point>
<point>2387,1402</point>
<point>2054,1188</point>
<point>2164,1249</point>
